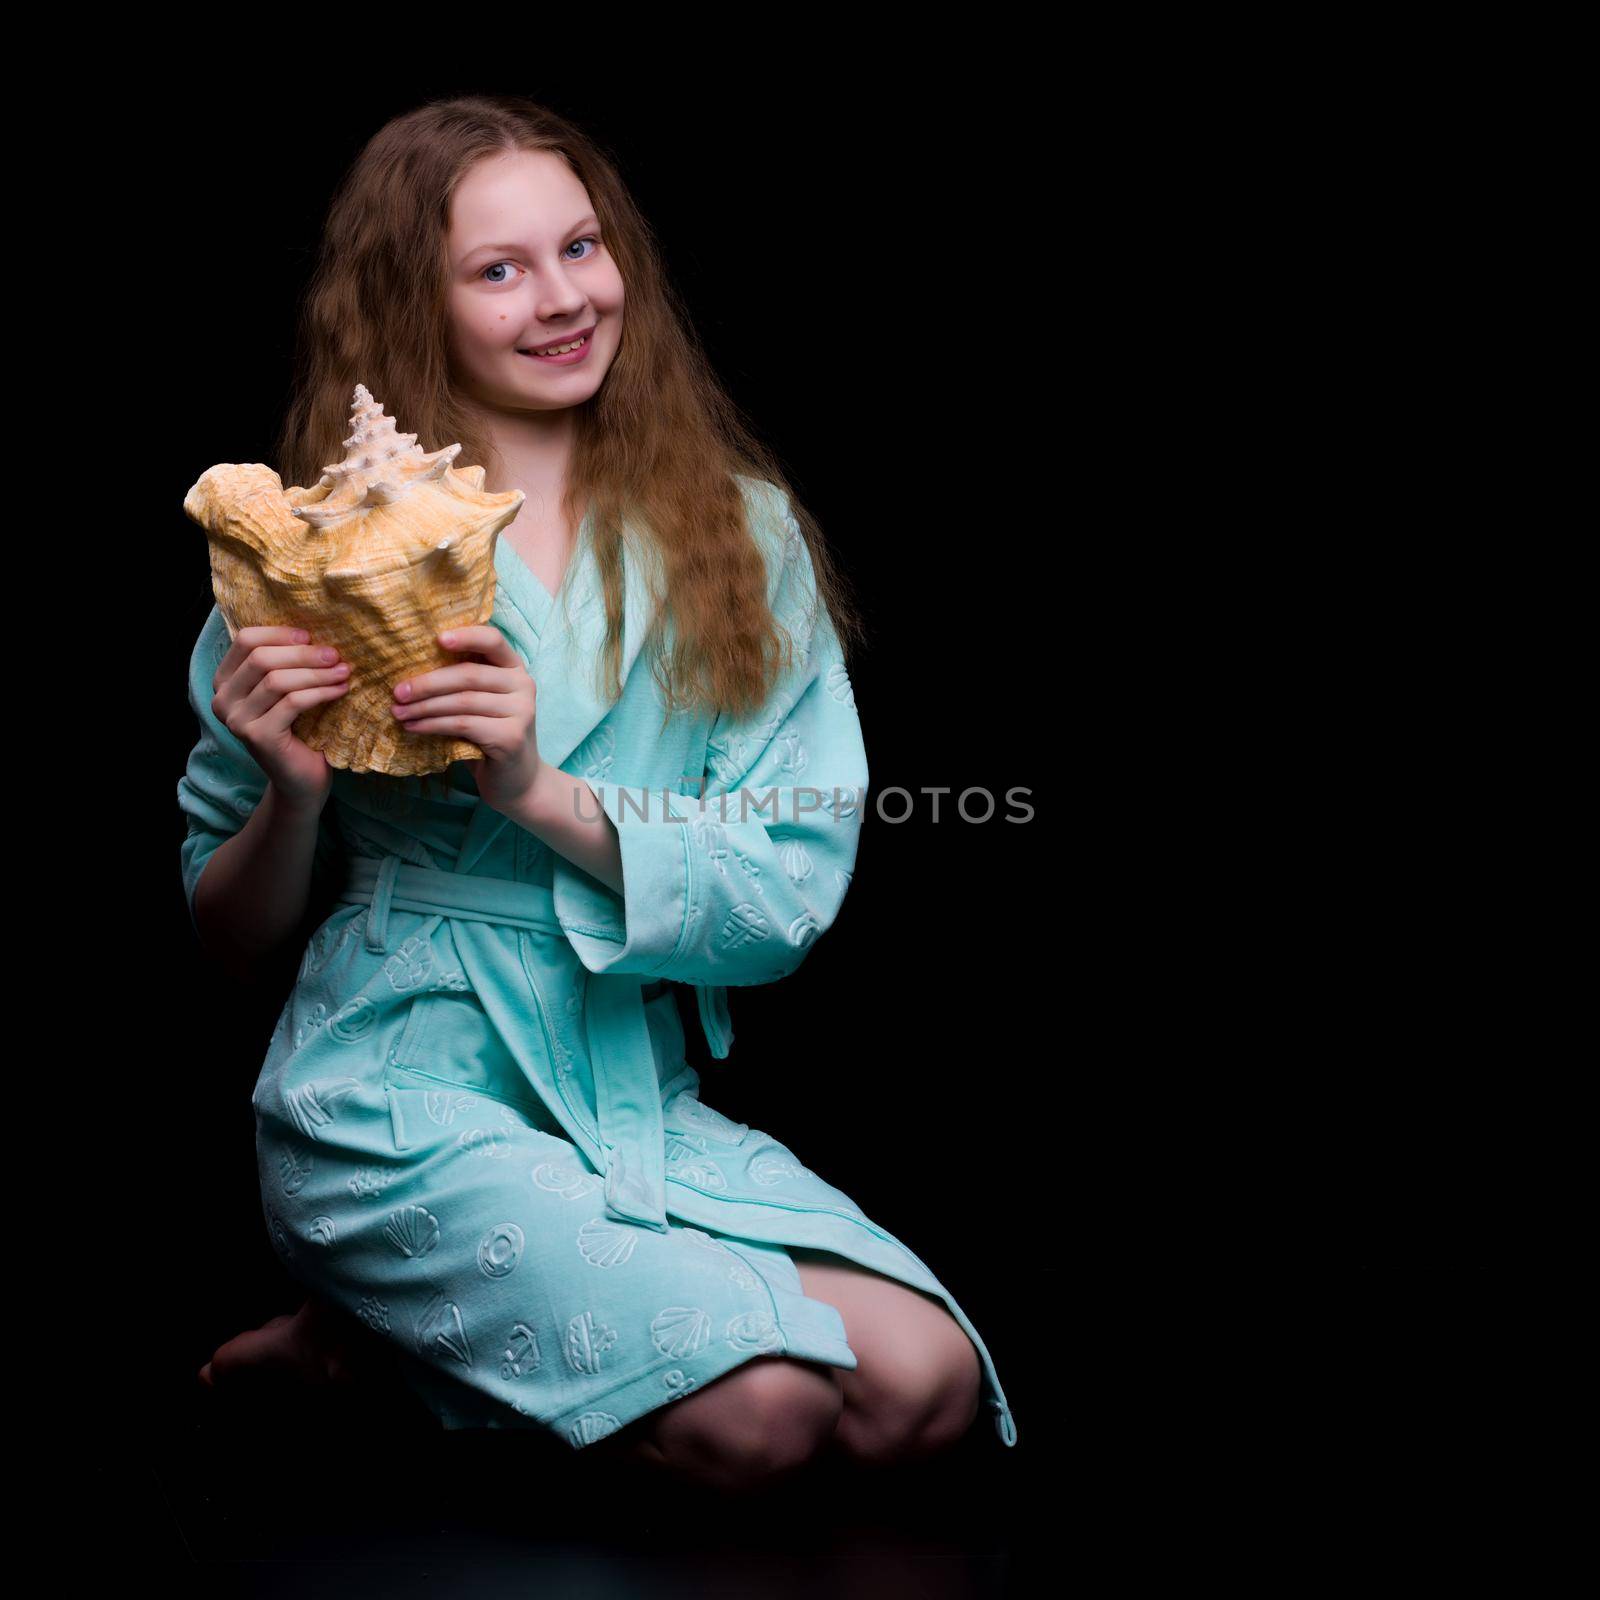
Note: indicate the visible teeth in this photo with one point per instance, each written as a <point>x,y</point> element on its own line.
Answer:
<point>561,349</point>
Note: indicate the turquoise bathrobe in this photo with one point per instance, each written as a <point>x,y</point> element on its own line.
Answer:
<point>478,1129</point>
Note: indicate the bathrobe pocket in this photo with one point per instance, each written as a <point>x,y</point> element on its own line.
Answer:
<point>449,1042</point>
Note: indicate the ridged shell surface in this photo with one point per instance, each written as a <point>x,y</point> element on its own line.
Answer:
<point>392,546</point>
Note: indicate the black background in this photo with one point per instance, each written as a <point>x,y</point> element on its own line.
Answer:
<point>872,285</point>
<point>1190,1088</point>
<point>906,1056</point>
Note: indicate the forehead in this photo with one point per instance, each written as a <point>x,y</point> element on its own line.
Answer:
<point>516,190</point>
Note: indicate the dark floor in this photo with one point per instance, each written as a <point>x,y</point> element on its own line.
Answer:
<point>309,1492</point>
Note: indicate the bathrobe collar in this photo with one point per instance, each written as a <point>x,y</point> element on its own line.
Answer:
<point>564,664</point>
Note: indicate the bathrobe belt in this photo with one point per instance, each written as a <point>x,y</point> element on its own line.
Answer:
<point>631,1150</point>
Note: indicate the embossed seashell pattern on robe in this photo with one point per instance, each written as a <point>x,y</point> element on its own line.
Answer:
<point>390,547</point>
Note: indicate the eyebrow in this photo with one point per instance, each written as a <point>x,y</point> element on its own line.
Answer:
<point>582,222</point>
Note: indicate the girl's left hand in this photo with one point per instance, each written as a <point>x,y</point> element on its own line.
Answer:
<point>490,700</point>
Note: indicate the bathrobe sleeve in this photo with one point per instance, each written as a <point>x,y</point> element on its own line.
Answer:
<point>735,887</point>
<point>222,783</point>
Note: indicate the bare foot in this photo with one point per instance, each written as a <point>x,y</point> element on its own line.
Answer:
<point>316,1344</point>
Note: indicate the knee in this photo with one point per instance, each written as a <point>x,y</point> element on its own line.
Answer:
<point>959,1398</point>
<point>916,1402</point>
<point>756,1423</point>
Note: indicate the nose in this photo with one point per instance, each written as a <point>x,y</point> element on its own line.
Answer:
<point>557,298</point>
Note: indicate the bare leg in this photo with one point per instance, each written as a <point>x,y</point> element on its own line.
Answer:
<point>316,1344</point>
<point>752,1426</point>
<point>636,1443</point>
<point>917,1384</point>
<point>645,1450</point>
<point>744,1431</point>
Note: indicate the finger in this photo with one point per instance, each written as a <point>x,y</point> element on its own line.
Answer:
<point>246,640</point>
<point>449,680</point>
<point>282,716</point>
<point>485,731</point>
<point>268,658</point>
<point>294,675</point>
<point>270,634</point>
<point>282,681</point>
<point>483,637</point>
<point>468,703</point>
<point>250,692</point>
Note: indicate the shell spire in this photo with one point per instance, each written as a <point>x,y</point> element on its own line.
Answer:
<point>379,467</point>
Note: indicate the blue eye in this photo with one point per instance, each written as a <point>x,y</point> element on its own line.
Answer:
<point>588,238</point>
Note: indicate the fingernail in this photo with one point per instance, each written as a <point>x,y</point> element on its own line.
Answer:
<point>403,692</point>
<point>447,638</point>
<point>328,653</point>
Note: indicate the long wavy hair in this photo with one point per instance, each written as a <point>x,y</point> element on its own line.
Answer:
<point>656,447</point>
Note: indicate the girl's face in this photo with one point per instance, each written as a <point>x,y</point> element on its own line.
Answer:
<point>528,269</point>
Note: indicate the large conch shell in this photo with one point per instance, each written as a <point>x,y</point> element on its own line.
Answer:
<point>390,547</point>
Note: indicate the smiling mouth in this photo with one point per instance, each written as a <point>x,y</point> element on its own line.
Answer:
<point>561,346</point>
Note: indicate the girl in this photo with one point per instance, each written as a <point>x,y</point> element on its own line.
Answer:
<point>480,1140</point>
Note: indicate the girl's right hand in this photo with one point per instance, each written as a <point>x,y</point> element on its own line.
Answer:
<point>267,678</point>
